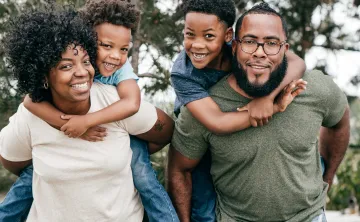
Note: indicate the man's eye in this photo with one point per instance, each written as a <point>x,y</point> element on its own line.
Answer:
<point>209,36</point>
<point>272,43</point>
<point>250,42</point>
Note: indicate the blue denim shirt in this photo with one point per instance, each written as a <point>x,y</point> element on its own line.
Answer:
<point>190,83</point>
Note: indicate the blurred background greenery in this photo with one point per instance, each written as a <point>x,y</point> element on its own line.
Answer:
<point>312,25</point>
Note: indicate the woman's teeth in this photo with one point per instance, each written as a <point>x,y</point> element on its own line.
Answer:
<point>80,86</point>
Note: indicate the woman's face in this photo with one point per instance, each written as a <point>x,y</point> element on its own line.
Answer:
<point>71,79</point>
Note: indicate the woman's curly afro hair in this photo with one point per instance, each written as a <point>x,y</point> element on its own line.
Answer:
<point>35,41</point>
<point>223,9</point>
<point>116,12</point>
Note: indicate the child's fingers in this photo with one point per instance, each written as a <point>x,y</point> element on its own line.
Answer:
<point>253,122</point>
<point>297,92</point>
<point>244,108</point>
<point>299,81</point>
<point>265,121</point>
<point>100,129</point>
<point>96,138</point>
<point>63,128</point>
<point>66,117</point>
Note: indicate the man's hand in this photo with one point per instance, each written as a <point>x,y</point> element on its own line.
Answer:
<point>75,127</point>
<point>289,93</point>
<point>94,134</point>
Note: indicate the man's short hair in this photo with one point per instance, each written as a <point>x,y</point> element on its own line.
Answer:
<point>223,9</point>
<point>262,8</point>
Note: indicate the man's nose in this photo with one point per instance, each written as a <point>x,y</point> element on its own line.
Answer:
<point>260,52</point>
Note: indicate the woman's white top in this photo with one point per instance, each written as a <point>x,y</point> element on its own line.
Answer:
<point>75,180</point>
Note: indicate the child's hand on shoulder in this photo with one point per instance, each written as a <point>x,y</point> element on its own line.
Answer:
<point>76,125</point>
<point>260,111</point>
<point>289,93</point>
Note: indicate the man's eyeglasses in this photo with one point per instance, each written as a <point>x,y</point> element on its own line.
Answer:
<point>270,47</point>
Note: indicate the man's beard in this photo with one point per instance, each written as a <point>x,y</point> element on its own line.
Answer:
<point>253,90</point>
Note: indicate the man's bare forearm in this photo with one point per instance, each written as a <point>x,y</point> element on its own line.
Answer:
<point>179,185</point>
<point>333,144</point>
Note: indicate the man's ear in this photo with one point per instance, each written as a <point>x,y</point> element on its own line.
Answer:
<point>229,34</point>
<point>286,46</point>
<point>233,47</point>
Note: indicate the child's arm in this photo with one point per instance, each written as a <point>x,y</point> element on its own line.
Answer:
<point>128,105</point>
<point>45,111</point>
<point>208,113</point>
<point>261,109</point>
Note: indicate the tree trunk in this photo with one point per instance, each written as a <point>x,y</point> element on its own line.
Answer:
<point>136,42</point>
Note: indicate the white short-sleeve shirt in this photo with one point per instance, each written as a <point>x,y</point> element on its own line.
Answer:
<point>76,180</point>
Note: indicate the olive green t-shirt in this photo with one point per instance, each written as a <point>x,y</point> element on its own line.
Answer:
<point>269,173</point>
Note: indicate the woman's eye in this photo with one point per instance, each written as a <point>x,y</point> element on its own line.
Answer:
<point>189,34</point>
<point>125,49</point>
<point>63,67</point>
<point>87,62</point>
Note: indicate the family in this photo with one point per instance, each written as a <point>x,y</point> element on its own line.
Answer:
<point>257,136</point>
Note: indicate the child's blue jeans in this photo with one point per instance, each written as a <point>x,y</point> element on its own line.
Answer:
<point>155,199</point>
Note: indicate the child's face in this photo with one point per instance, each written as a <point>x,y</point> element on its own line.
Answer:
<point>204,37</point>
<point>113,47</point>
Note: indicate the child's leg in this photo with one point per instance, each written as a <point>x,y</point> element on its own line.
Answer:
<point>155,199</point>
<point>322,165</point>
<point>203,200</point>
<point>18,200</point>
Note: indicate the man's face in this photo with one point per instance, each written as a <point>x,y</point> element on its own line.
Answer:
<point>257,73</point>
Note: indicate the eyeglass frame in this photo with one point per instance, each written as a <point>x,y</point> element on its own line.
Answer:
<point>260,44</point>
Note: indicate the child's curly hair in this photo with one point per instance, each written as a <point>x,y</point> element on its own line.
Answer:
<point>116,12</point>
<point>35,41</point>
<point>223,9</point>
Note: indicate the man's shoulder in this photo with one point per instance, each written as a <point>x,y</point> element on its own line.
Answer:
<point>320,83</point>
<point>316,75</point>
<point>220,86</point>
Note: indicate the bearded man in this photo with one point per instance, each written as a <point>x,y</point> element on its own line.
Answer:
<point>272,173</point>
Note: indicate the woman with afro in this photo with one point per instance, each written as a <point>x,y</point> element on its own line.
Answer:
<point>50,55</point>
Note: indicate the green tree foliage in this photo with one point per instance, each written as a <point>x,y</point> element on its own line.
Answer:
<point>347,182</point>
